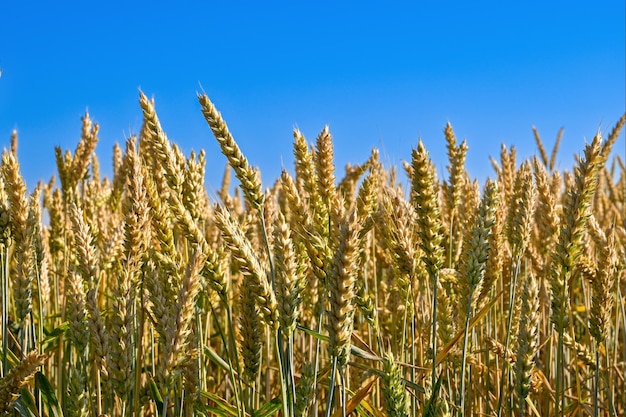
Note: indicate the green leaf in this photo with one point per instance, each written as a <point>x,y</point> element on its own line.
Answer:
<point>432,406</point>
<point>223,408</point>
<point>57,331</point>
<point>156,396</point>
<point>269,408</point>
<point>217,359</point>
<point>48,396</point>
<point>52,337</point>
<point>354,350</point>
<point>22,408</point>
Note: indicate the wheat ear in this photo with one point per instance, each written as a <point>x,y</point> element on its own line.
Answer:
<point>394,392</point>
<point>528,341</point>
<point>569,249</point>
<point>17,378</point>
<point>255,275</point>
<point>424,198</point>
<point>249,177</point>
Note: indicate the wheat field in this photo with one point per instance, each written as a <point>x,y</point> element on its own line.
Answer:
<point>382,291</point>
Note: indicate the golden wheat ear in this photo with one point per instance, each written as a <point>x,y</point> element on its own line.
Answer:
<point>17,378</point>
<point>248,176</point>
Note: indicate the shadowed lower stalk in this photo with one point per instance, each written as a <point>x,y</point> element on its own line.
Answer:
<point>596,382</point>
<point>434,335</point>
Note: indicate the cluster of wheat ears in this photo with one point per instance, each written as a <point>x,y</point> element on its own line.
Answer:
<point>374,294</point>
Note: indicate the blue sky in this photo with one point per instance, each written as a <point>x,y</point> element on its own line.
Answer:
<point>380,74</point>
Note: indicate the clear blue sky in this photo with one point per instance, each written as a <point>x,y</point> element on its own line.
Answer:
<point>380,74</point>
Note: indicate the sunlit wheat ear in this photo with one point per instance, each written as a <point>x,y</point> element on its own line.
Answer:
<point>394,391</point>
<point>542,150</point>
<point>87,260</point>
<point>304,391</point>
<point>528,340</point>
<point>396,232</point>
<point>602,282</point>
<point>582,351</point>
<point>304,165</point>
<point>348,185</point>
<point>325,166</point>
<point>194,191</point>
<point>478,247</point>
<point>555,149</point>
<point>137,219</point>
<point>88,267</point>
<point>16,379</point>
<point>14,143</point>
<point>425,202</point>
<point>76,312</point>
<point>119,177</point>
<point>367,308</point>
<point>456,169</point>
<point>341,288</point>
<point>607,146</point>
<point>316,246</point>
<point>506,172</point>
<point>73,170</point>
<point>289,276</point>
<point>501,351</point>
<point>424,198</point>
<point>248,176</point>
<point>160,220</point>
<point>15,189</point>
<point>84,149</point>
<point>23,251</point>
<point>546,215</point>
<point>521,211</point>
<point>367,202</point>
<point>119,359</point>
<point>448,309</point>
<point>255,275</point>
<point>251,332</point>
<point>573,224</point>
<point>294,202</point>
<point>160,144</point>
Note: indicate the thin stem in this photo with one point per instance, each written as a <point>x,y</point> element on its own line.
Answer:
<point>508,333</point>
<point>609,392</point>
<point>140,353</point>
<point>434,318</point>
<point>342,393</point>
<point>287,405</point>
<point>331,387</point>
<point>560,376</point>
<point>596,381</point>
<point>464,356</point>
<point>231,346</point>
<point>317,361</point>
<point>290,372</point>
